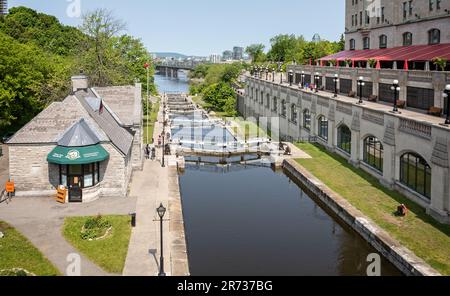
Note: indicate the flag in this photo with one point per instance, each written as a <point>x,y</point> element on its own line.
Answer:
<point>100,108</point>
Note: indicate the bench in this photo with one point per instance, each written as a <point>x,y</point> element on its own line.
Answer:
<point>401,104</point>
<point>435,111</point>
<point>373,98</point>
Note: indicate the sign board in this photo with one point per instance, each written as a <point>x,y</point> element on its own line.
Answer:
<point>61,195</point>
<point>9,187</point>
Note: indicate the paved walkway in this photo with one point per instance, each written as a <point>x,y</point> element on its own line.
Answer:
<point>151,187</point>
<point>41,219</point>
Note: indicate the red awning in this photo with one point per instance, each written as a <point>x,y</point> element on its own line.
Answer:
<point>409,53</point>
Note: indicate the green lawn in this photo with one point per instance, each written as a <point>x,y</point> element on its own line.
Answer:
<point>423,235</point>
<point>149,123</point>
<point>109,253</point>
<point>17,252</point>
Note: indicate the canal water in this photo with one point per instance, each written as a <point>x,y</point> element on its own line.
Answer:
<point>169,85</point>
<point>250,220</point>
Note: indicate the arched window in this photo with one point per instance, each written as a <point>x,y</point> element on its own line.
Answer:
<point>366,43</point>
<point>407,39</point>
<point>383,41</point>
<point>268,101</point>
<point>283,108</point>
<point>373,153</point>
<point>352,44</point>
<point>294,113</point>
<point>322,127</point>
<point>306,119</point>
<point>434,36</point>
<point>345,138</point>
<point>275,104</point>
<point>415,173</point>
<point>262,98</point>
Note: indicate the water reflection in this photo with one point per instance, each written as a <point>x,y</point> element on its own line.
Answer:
<point>254,221</point>
<point>166,84</point>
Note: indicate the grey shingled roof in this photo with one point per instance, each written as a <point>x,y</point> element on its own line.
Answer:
<point>49,125</point>
<point>79,135</point>
<point>124,101</point>
<point>118,135</point>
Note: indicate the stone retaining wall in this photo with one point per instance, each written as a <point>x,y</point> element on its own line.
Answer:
<point>179,258</point>
<point>404,259</point>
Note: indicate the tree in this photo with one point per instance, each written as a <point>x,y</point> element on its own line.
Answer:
<point>256,51</point>
<point>101,26</point>
<point>281,46</point>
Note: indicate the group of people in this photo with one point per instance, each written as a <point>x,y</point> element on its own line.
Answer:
<point>150,153</point>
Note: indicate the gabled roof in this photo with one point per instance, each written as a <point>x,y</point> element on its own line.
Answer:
<point>124,101</point>
<point>118,135</point>
<point>49,125</point>
<point>79,135</point>
<point>410,53</point>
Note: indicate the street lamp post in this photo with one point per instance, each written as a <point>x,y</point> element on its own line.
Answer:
<point>336,80</point>
<point>303,79</point>
<point>395,88</point>
<point>273,75</point>
<point>317,79</point>
<point>281,77</point>
<point>147,67</point>
<point>291,77</point>
<point>447,95</point>
<point>267,73</point>
<point>360,85</point>
<point>161,210</point>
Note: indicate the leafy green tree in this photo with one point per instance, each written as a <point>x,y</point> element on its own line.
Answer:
<point>100,58</point>
<point>256,51</point>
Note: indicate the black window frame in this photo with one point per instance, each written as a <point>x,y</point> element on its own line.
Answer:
<point>95,174</point>
<point>434,36</point>
<point>383,41</point>
<point>409,168</point>
<point>407,38</point>
<point>344,138</point>
<point>373,147</point>
<point>294,114</point>
<point>352,44</point>
<point>366,43</point>
<point>283,109</point>
<point>322,127</point>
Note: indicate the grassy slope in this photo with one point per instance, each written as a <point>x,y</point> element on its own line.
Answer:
<point>150,123</point>
<point>109,253</point>
<point>419,232</point>
<point>17,252</point>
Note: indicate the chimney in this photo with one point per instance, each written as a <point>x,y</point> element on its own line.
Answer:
<point>80,82</point>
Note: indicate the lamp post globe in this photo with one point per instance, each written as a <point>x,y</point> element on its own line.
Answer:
<point>336,80</point>
<point>395,88</point>
<point>317,79</point>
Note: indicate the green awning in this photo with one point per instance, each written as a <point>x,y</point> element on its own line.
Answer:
<point>77,155</point>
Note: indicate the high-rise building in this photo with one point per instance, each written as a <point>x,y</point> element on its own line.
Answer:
<point>3,7</point>
<point>227,55</point>
<point>215,58</point>
<point>379,24</point>
<point>238,53</point>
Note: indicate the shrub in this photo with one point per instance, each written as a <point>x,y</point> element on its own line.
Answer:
<point>94,227</point>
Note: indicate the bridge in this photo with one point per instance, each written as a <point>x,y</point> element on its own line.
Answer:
<point>171,68</point>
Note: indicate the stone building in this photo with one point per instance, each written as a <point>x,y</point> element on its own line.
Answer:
<point>393,23</point>
<point>407,151</point>
<point>90,143</point>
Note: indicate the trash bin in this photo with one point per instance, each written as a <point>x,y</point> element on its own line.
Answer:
<point>133,219</point>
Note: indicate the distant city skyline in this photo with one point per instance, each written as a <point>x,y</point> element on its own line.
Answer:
<point>205,27</point>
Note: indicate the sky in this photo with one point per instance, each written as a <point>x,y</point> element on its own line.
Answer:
<point>204,27</point>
